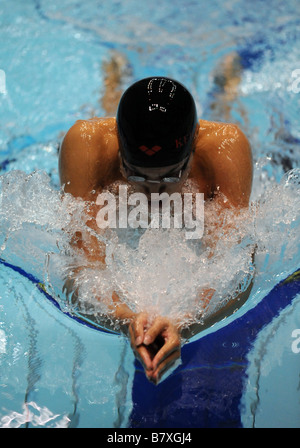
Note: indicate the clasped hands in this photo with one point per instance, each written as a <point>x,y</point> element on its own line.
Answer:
<point>156,343</point>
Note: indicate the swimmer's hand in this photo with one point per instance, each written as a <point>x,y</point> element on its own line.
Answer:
<point>157,345</point>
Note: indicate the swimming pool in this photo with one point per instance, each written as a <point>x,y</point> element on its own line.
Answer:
<point>59,372</point>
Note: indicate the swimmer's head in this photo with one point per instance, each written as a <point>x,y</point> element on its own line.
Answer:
<point>156,121</point>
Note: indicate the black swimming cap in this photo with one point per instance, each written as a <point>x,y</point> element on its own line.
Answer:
<point>156,122</point>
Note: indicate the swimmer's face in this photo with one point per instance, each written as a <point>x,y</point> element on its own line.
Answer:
<point>167,179</point>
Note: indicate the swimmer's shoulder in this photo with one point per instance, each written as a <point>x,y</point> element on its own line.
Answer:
<point>100,133</point>
<point>217,132</point>
<point>89,154</point>
<point>218,140</point>
<point>90,142</point>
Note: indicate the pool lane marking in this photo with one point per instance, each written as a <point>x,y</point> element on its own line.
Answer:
<point>41,287</point>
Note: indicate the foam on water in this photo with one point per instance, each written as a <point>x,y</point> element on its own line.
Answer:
<point>158,270</point>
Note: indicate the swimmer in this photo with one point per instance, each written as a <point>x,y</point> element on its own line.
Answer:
<point>155,143</point>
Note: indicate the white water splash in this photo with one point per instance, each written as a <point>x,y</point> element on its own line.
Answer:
<point>155,269</point>
<point>35,415</point>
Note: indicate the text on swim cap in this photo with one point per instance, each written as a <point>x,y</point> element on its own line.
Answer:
<point>182,141</point>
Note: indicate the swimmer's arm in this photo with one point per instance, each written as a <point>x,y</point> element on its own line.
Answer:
<point>119,314</point>
<point>231,158</point>
<point>155,343</point>
<point>80,170</point>
<point>228,151</point>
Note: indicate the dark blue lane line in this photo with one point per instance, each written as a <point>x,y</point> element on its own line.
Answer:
<point>206,390</point>
<point>39,285</point>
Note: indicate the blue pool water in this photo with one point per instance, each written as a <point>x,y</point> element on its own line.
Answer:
<point>56,371</point>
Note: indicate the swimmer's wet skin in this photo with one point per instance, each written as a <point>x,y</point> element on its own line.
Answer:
<point>155,144</point>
